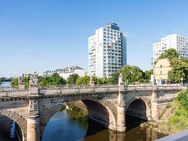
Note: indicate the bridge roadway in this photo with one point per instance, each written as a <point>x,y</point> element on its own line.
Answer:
<point>108,105</point>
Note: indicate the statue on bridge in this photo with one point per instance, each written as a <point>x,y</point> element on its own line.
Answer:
<point>120,79</point>
<point>34,79</point>
<point>21,83</point>
<point>21,79</point>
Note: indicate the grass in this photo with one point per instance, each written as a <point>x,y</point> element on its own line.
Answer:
<point>179,120</point>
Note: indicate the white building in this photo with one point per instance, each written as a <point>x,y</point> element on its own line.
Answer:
<point>107,51</point>
<point>176,41</point>
<point>66,72</point>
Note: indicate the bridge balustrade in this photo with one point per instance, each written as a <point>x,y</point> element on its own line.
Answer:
<point>80,90</point>
<point>14,93</point>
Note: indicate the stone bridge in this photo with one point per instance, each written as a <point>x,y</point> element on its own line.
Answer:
<point>107,104</point>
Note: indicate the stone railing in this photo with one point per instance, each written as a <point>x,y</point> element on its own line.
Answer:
<point>78,90</point>
<point>14,93</point>
<point>157,87</point>
<point>139,87</point>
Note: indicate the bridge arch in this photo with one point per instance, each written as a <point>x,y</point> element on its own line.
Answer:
<point>102,111</point>
<point>138,107</point>
<point>108,112</point>
<point>19,119</point>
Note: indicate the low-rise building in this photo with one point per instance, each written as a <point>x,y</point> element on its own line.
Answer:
<point>66,72</point>
<point>160,71</point>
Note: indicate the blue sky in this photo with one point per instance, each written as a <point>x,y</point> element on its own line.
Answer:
<point>39,35</point>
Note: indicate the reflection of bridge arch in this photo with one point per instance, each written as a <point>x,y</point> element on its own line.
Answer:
<point>19,119</point>
<point>138,107</point>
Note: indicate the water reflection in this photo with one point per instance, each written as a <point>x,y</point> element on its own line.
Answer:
<point>62,128</point>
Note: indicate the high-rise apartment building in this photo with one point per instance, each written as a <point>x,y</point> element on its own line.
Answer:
<point>107,51</point>
<point>176,41</point>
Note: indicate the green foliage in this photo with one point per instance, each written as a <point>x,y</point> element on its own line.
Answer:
<point>78,114</point>
<point>26,82</point>
<point>132,74</point>
<point>100,81</point>
<point>72,79</point>
<point>170,54</point>
<point>84,80</point>
<point>114,78</point>
<point>14,82</point>
<point>147,75</point>
<point>179,120</point>
<point>179,71</point>
<point>54,80</point>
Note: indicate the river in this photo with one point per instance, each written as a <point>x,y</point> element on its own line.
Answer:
<point>5,84</point>
<point>63,128</point>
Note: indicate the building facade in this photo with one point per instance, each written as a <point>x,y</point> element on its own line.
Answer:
<point>176,41</point>
<point>107,51</point>
<point>160,71</point>
<point>66,72</point>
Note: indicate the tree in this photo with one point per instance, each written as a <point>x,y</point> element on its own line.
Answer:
<point>131,74</point>
<point>54,80</point>
<point>103,80</point>
<point>170,54</point>
<point>147,75</point>
<point>26,82</point>
<point>84,80</point>
<point>14,82</point>
<point>114,78</point>
<point>71,80</point>
<point>179,71</point>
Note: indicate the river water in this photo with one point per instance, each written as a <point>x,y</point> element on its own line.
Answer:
<point>62,128</point>
<point>5,84</point>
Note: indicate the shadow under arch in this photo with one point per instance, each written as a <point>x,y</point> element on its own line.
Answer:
<point>136,112</point>
<point>19,120</point>
<point>103,113</point>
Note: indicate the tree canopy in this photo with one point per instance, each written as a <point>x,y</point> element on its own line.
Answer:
<point>84,80</point>
<point>170,54</point>
<point>71,80</point>
<point>54,80</point>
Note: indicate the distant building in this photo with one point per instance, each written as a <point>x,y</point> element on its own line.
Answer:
<point>176,41</point>
<point>160,71</point>
<point>66,72</point>
<point>48,73</point>
<point>107,51</point>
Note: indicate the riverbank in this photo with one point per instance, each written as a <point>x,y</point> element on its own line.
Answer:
<point>175,123</point>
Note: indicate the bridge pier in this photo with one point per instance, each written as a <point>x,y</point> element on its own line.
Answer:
<point>33,129</point>
<point>154,111</point>
<point>33,120</point>
<point>121,119</point>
